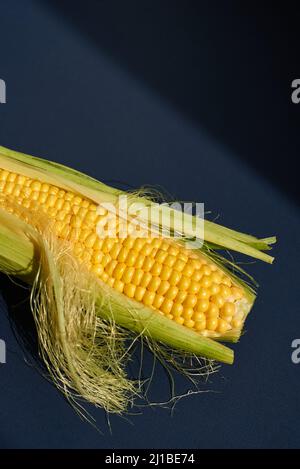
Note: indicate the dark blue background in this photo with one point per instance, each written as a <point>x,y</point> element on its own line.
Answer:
<point>193,97</point>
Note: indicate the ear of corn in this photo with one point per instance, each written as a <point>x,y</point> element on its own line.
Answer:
<point>17,257</point>
<point>150,285</point>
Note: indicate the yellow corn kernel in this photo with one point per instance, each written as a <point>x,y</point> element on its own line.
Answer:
<point>98,269</point>
<point>160,256</point>
<point>9,186</point>
<point>225,291</point>
<point>223,326</point>
<point>170,260</point>
<point>119,271</point>
<point>205,282</point>
<point>214,289</point>
<point>177,309</point>
<point>129,290</point>
<point>139,293</point>
<point>137,276</point>
<point>107,245</point>
<point>213,310</point>
<point>156,268</point>
<point>202,305</point>
<point>181,296</point>
<point>188,270</point>
<point>131,258</point>
<point>139,261</point>
<point>105,259</point>
<point>166,306</point>
<point>227,310</point>
<point>146,250</point>
<point>164,246</point>
<point>184,283</point>
<point>226,281</point>
<point>128,274</point>
<point>115,250</point>
<point>237,323</point>
<point>179,265</point>
<point>139,243</point>
<point>158,301</point>
<point>183,257</point>
<point>189,323</point>
<point>154,284</point>
<point>119,285</point>
<point>173,250</point>
<point>203,293</point>
<point>187,313</point>
<point>16,191</point>
<point>165,272</point>
<point>129,243</point>
<point>98,243</point>
<point>123,254</point>
<point>194,287</point>
<point>172,292</point>
<point>97,257</point>
<point>197,276</point>
<point>91,217</point>
<point>218,300</point>
<point>179,320</point>
<point>190,301</point>
<point>146,279</point>
<point>200,325</point>
<point>148,298</point>
<point>148,263</point>
<point>199,316</point>
<point>104,277</point>
<point>174,278</point>
<point>163,287</point>
<point>58,226</point>
<point>216,277</point>
<point>90,240</point>
<point>110,267</point>
<point>212,324</point>
<point>237,293</point>
<point>205,269</point>
<point>4,174</point>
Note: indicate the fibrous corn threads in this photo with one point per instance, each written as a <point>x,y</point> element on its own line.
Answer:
<point>177,282</point>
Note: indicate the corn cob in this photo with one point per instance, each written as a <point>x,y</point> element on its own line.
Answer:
<point>183,286</point>
<point>194,298</point>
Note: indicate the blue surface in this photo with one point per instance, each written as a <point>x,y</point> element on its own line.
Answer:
<point>74,102</point>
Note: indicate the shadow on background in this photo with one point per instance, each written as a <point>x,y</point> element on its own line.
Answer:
<point>226,66</point>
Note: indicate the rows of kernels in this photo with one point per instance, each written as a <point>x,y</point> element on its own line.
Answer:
<point>185,287</point>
